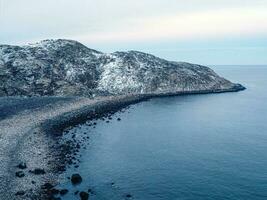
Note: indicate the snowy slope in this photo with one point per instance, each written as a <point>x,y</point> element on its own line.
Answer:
<point>66,68</point>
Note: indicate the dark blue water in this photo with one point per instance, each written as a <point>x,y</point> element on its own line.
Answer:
<point>187,147</point>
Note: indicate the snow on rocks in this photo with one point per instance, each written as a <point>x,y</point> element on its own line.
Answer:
<point>68,68</point>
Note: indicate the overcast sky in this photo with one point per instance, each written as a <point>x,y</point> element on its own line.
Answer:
<point>198,31</point>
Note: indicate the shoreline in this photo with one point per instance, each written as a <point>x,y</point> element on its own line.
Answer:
<point>115,103</point>
<point>43,136</point>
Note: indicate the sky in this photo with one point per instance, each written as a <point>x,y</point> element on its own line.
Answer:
<point>210,32</point>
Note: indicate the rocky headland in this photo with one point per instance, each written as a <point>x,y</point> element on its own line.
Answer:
<point>60,83</point>
<point>68,68</point>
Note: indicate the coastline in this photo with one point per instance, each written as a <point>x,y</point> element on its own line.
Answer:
<point>37,142</point>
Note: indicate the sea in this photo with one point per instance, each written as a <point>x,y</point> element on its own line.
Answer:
<point>191,147</point>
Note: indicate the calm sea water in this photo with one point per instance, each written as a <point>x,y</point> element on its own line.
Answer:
<point>187,147</point>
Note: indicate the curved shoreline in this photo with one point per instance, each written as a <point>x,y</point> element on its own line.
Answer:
<point>117,102</point>
<point>42,135</point>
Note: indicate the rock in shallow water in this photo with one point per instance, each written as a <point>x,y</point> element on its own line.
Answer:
<point>84,195</point>
<point>76,179</point>
<point>128,195</point>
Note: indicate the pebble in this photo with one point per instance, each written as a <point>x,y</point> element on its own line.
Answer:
<point>20,193</point>
<point>64,191</point>
<point>37,171</point>
<point>20,174</point>
<point>22,165</point>
<point>47,186</point>
<point>54,191</point>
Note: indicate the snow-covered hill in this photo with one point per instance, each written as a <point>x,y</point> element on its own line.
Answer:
<point>68,68</point>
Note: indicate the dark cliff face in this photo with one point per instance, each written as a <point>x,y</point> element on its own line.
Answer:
<point>68,68</point>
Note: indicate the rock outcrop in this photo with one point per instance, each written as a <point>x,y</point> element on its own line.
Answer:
<point>68,68</point>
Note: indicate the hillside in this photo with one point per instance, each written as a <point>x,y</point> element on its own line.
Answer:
<point>68,68</point>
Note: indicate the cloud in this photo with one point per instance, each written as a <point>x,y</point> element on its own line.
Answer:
<point>206,24</point>
<point>201,31</point>
<point>122,20</point>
